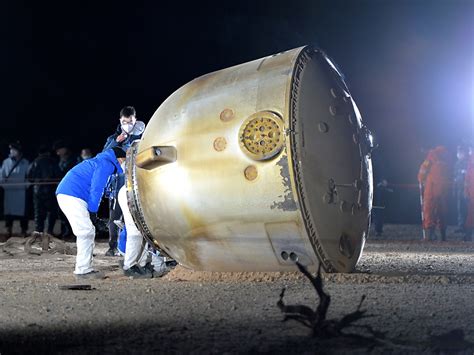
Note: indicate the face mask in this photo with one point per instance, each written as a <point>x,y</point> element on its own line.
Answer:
<point>85,157</point>
<point>123,166</point>
<point>127,127</point>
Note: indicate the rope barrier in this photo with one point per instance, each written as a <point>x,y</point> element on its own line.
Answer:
<point>405,186</point>
<point>13,182</point>
<point>28,183</point>
<point>56,181</point>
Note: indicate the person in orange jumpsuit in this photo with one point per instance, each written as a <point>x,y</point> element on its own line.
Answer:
<point>435,178</point>
<point>469,193</point>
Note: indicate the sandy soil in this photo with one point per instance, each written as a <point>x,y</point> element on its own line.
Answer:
<point>416,292</point>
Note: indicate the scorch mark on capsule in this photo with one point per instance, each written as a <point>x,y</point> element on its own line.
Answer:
<point>288,203</point>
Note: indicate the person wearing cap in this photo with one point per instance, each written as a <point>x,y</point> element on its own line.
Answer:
<point>13,179</point>
<point>469,195</point>
<point>44,173</point>
<point>67,160</point>
<point>86,153</point>
<point>128,130</point>
<point>382,192</point>
<point>460,169</point>
<point>79,194</point>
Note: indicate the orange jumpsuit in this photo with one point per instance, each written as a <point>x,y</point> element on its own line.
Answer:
<point>435,176</point>
<point>469,192</point>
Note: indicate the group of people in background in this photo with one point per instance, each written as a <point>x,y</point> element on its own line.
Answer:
<point>84,180</point>
<point>43,173</point>
<point>439,182</point>
<point>438,178</point>
<point>82,184</point>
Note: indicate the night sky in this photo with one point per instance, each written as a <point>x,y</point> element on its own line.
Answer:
<point>68,68</point>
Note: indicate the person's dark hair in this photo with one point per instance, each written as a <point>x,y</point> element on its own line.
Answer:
<point>119,152</point>
<point>128,111</point>
<point>43,149</point>
<point>60,144</point>
<point>16,145</point>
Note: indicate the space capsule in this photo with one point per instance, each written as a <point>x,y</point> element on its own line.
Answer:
<point>254,167</point>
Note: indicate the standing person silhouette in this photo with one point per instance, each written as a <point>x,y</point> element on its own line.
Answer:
<point>128,130</point>
<point>13,176</point>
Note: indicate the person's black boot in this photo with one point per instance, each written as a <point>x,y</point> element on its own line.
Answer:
<point>136,272</point>
<point>468,235</point>
<point>431,234</point>
<point>112,252</point>
<point>65,233</point>
<point>160,271</point>
<point>425,235</point>
<point>24,233</point>
<point>443,234</point>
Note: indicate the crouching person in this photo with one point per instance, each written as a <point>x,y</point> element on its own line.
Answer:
<point>79,194</point>
<point>135,262</point>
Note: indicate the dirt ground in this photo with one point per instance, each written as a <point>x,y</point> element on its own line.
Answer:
<point>421,295</point>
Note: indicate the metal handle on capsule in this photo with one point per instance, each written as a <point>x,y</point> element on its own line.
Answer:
<point>155,157</point>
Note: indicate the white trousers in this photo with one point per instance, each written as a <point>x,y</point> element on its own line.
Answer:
<point>133,247</point>
<point>77,213</point>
